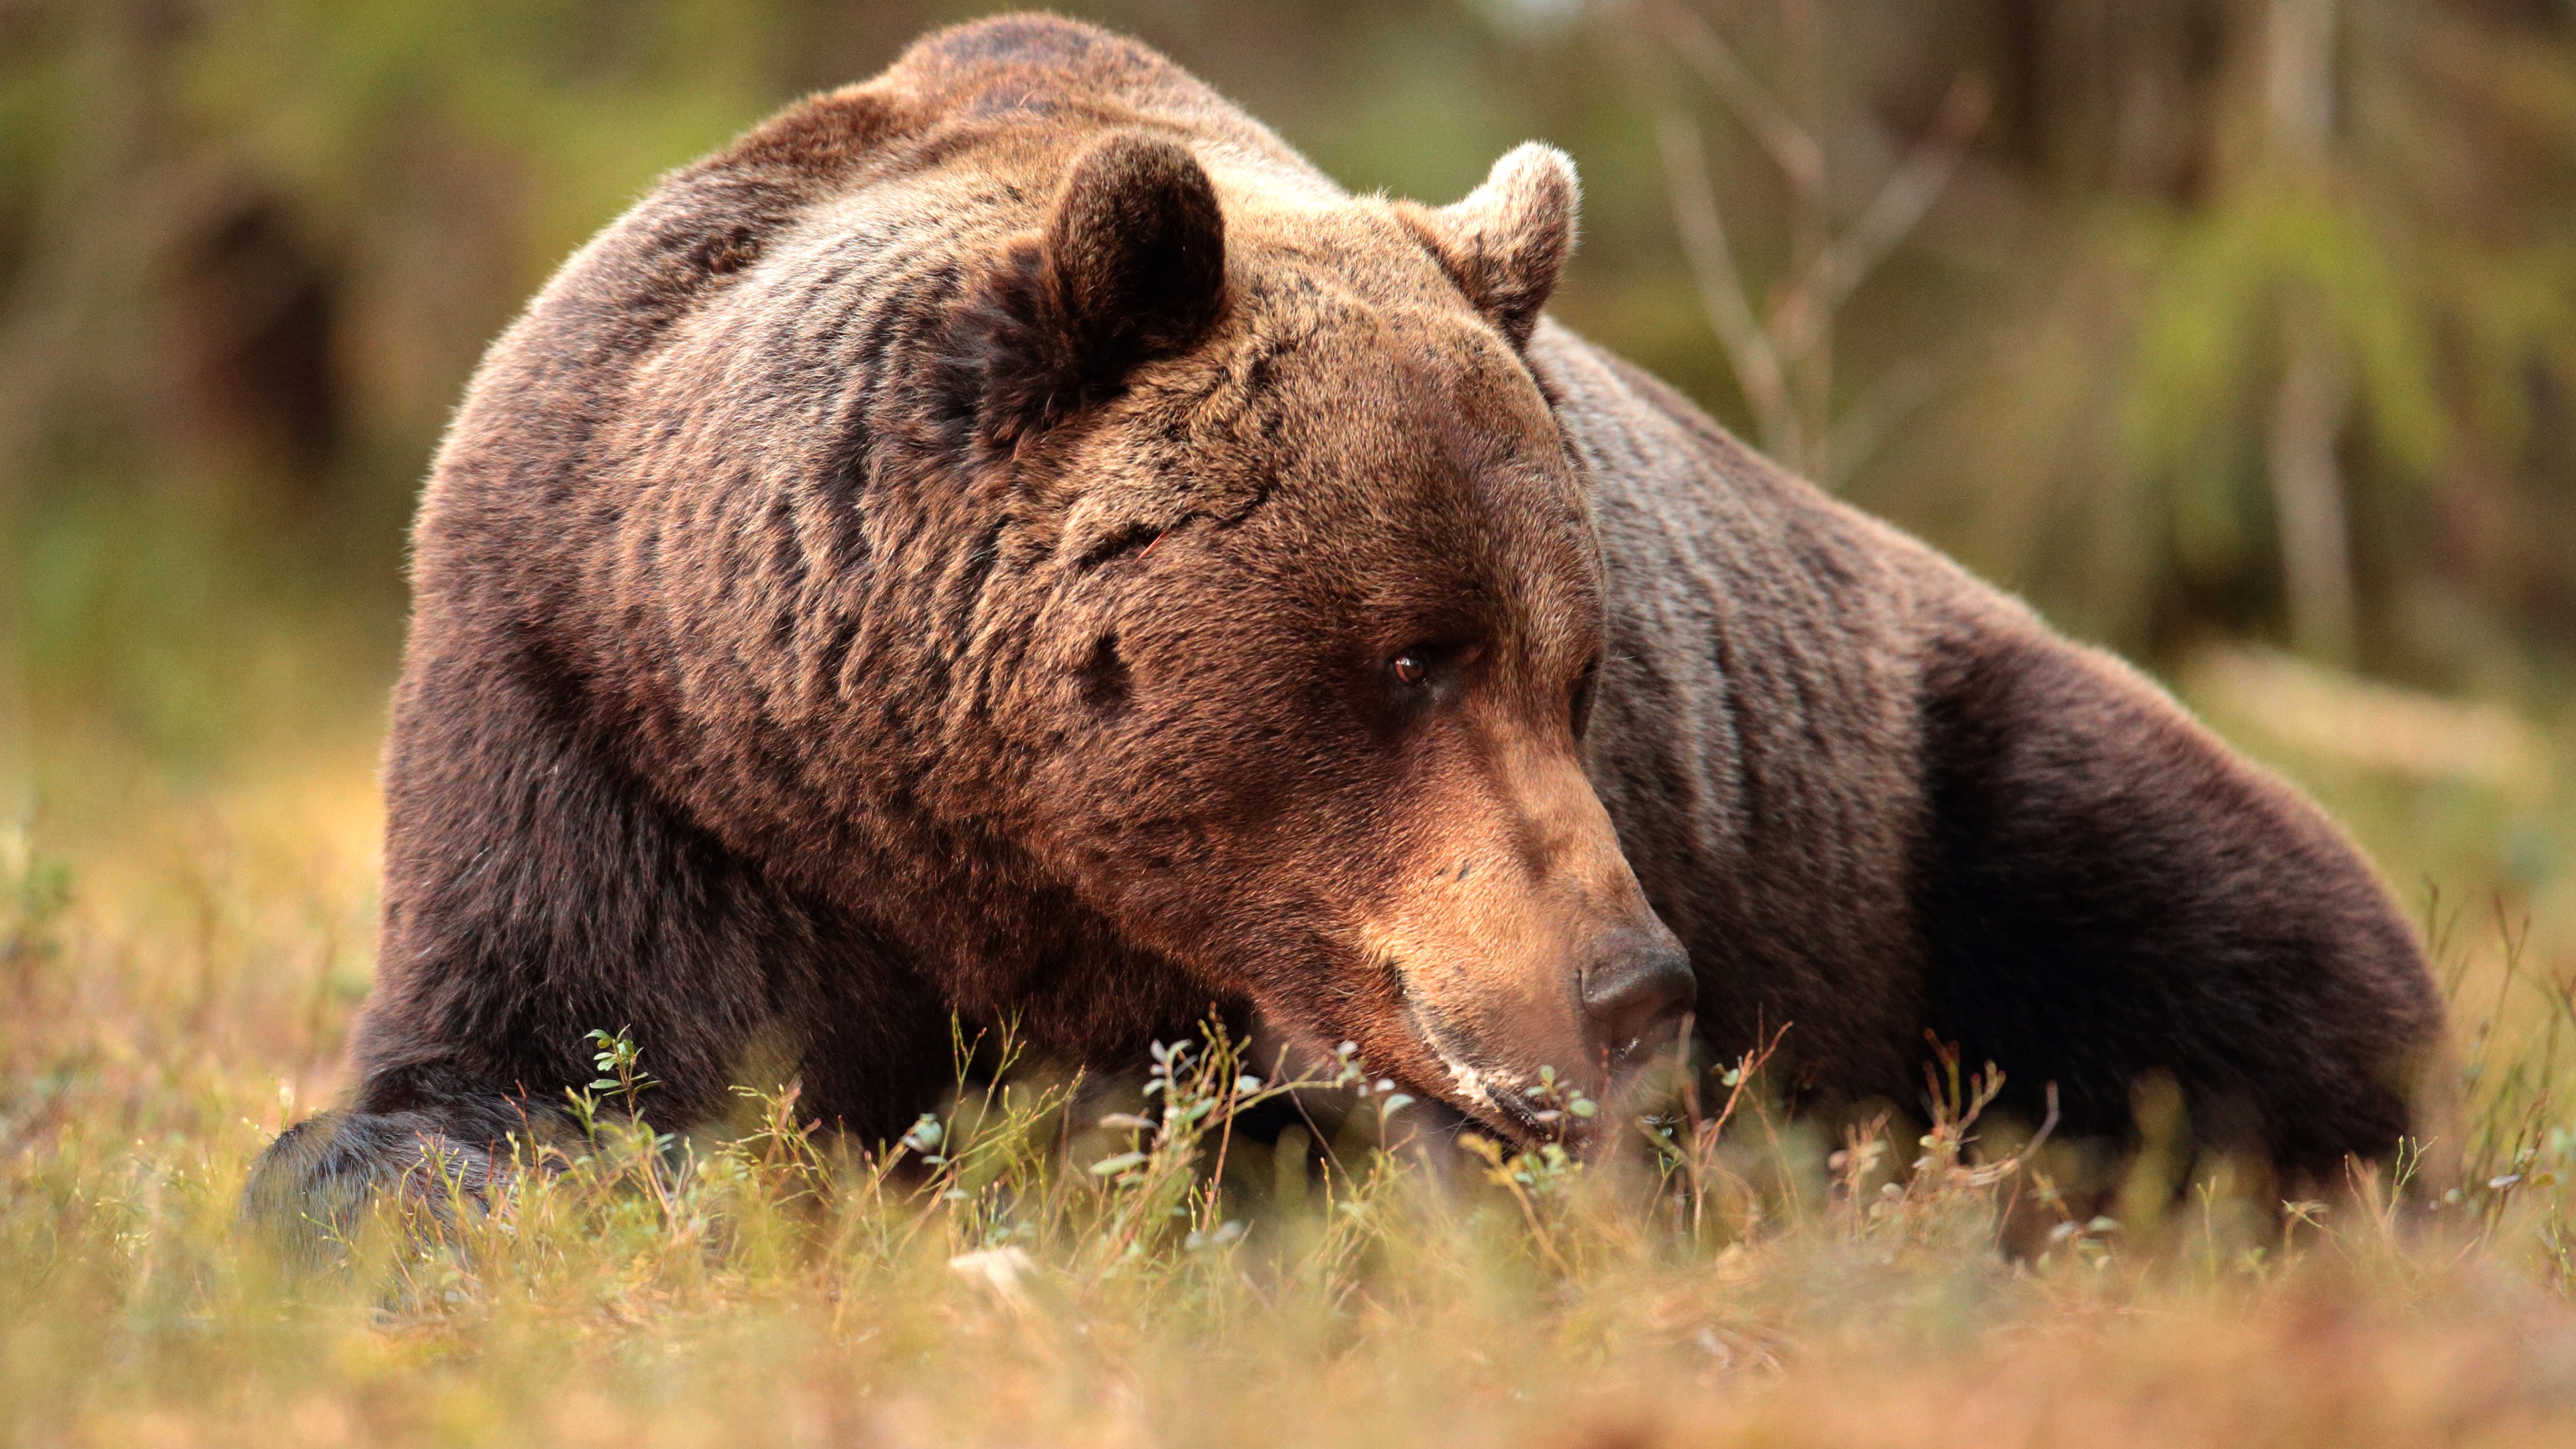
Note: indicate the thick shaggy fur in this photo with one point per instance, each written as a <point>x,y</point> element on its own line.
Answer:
<point>1011,539</point>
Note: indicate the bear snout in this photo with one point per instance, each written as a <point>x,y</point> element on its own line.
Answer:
<point>1636,988</point>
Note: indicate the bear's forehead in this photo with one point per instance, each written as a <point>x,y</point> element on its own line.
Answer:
<point>1346,249</point>
<point>1400,440</point>
<point>1399,456</point>
<point>1363,367</point>
<point>1427,393</point>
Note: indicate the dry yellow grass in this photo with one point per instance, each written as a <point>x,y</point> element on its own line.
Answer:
<point>179,962</point>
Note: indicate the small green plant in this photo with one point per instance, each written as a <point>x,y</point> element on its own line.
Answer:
<point>620,1151</point>
<point>619,1062</point>
<point>1559,1098</point>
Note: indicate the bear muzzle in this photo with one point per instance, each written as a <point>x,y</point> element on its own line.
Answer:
<point>1636,990</point>
<point>1589,1015</point>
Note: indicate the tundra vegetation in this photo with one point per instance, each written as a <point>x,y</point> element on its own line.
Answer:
<point>2234,332</point>
<point>1056,1261</point>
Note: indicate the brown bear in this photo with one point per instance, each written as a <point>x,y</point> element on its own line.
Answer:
<point>1011,539</point>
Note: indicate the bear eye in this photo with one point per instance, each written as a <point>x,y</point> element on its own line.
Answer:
<point>1585,689</point>
<point>1423,673</point>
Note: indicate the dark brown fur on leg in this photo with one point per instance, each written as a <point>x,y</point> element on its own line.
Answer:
<point>425,1142</point>
<point>2108,894</point>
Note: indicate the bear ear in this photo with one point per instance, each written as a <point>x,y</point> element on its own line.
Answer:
<point>1130,268</point>
<point>1506,244</point>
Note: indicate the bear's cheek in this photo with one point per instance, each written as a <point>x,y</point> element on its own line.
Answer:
<point>1233,870</point>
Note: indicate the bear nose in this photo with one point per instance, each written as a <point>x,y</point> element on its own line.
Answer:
<point>1635,993</point>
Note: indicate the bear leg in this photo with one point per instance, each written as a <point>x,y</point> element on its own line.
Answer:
<point>434,1140</point>
<point>2111,898</point>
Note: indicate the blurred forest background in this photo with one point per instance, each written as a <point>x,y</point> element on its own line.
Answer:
<point>2239,335</point>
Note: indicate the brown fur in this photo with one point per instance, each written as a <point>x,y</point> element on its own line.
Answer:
<point>946,554</point>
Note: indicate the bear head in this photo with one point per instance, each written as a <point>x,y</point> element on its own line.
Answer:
<point>1304,696</point>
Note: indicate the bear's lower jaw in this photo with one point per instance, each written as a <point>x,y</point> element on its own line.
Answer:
<point>1531,1109</point>
<point>1529,1106</point>
<point>1483,1096</point>
<point>1525,1123</point>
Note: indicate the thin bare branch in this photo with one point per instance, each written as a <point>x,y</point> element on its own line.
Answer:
<point>1898,207</point>
<point>2308,418</point>
<point>1721,286</point>
<point>1868,422</point>
<point>1793,149</point>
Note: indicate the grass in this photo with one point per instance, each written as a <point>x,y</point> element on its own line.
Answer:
<point>1107,1262</point>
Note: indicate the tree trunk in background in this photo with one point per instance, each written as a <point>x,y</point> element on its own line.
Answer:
<point>2307,498</point>
<point>2298,74</point>
<point>2315,397</point>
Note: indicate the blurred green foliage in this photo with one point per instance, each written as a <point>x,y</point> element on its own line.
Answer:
<point>2228,317</point>
<point>2235,333</point>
